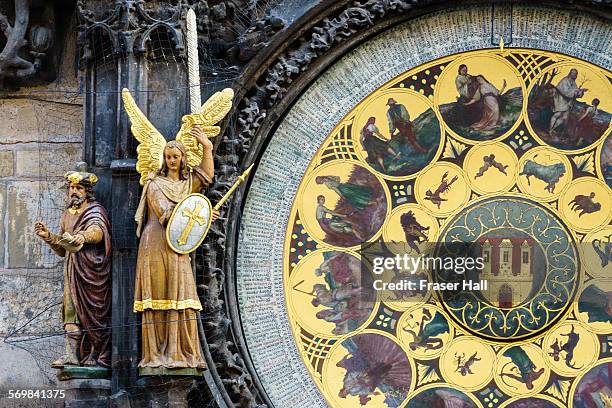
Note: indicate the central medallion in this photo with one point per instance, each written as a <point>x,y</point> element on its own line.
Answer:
<point>530,268</point>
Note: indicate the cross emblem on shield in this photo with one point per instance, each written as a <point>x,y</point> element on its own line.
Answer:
<point>189,223</point>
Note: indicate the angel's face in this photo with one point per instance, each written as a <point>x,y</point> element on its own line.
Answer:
<point>173,157</point>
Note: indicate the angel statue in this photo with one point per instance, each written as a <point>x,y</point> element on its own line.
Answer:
<point>165,292</point>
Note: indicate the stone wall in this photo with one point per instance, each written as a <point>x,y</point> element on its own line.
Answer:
<point>40,138</point>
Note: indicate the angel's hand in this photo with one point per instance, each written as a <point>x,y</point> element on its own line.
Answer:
<point>198,134</point>
<point>214,215</point>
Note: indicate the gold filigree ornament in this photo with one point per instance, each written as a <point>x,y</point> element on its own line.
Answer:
<point>151,142</point>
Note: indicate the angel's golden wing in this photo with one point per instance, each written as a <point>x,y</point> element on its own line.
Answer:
<point>151,142</point>
<point>211,113</point>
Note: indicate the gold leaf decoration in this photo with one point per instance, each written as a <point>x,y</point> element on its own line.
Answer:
<point>453,149</point>
<point>211,113</point>
<point>426,374</point>
<point>151,143</point>
<point>559,389</point>
<point>585,162</point>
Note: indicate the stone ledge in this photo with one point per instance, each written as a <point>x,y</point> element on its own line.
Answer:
<point>83,373</point>
<point>161,371</point>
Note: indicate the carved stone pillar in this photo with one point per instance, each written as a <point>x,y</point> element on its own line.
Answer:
<point>120,48</point>
<point>87,393</point>
<point>163,392</point>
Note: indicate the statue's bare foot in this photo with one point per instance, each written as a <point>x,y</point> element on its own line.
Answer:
<point>64,361</point>
<point>90,362</point>
<point>59,363</point>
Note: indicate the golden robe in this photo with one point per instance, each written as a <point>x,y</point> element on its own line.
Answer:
<point>165,284</point>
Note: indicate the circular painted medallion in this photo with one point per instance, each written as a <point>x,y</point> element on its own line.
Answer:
<point>530,268</point>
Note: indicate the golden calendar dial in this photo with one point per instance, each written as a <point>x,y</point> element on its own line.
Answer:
<point>507,149</point>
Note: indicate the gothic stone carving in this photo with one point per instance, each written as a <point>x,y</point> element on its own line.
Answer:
<point>29,39</point>
<point>106,32</point>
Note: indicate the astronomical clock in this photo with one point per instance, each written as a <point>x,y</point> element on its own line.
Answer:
<point>502,149</point>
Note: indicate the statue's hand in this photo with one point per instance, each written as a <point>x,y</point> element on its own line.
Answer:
<point>214,215</point>
<point>41,230</point>
<point>78,240</point>
<point>197,133</point>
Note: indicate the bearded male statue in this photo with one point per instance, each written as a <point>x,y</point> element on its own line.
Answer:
<point>85,244</point>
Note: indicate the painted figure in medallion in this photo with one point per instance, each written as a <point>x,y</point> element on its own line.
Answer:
<point>465,83</point>
<point>532,403</point>
<point>410,145</point>
<point>526,371</point>
<point>482,111</point>
<point>375,364</point>
<point>425,333</point>
<point>559,117</point>
<point>375,144</point>
<point>166,294</point>
<point>606,161</point>
<point>355,195</point>
<point>603,249</point>
<point>585,204</point>
<point>334,221</point>
<point>568,348</point>
<point>399,121</point>
<point>490,162</point>
<point>342,297</point>
<point>464,366</point>
<point>548,173</point>
<point>564,97</point>
<point>490,111</point>
<point>595,389</point>
<point>84,243</point>
<point>415,232</point>
<point>585,125</point>
<point>359,211</point>
<point>444,186</point>
<point>597,303</point>
<point>441,397</point>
